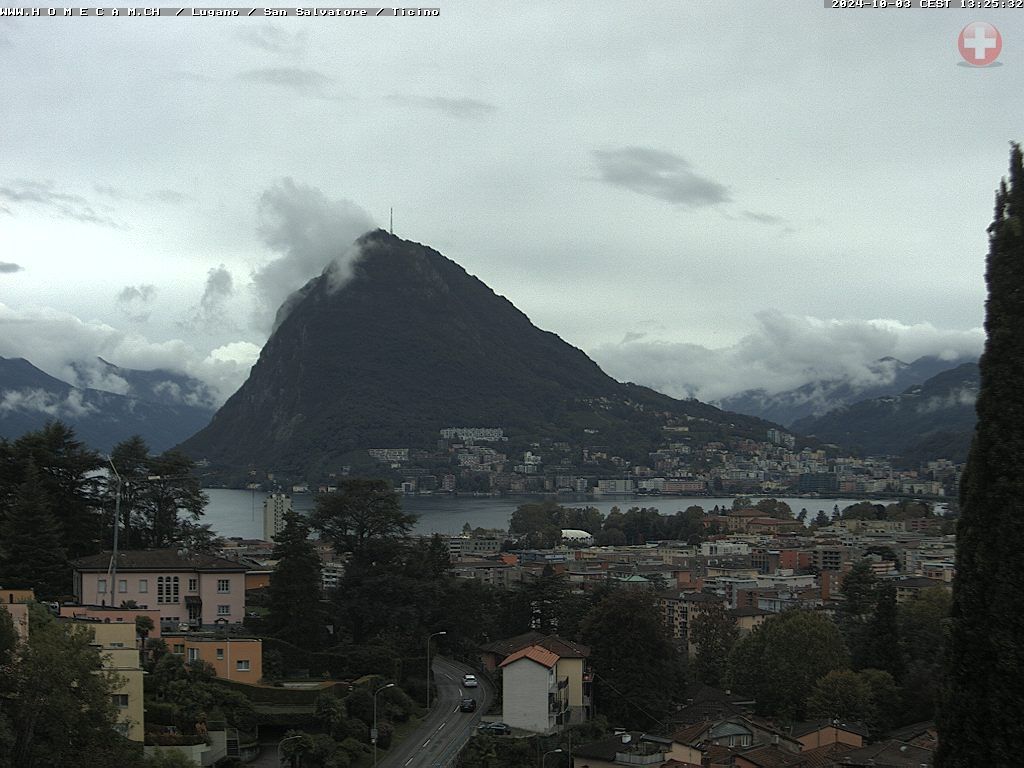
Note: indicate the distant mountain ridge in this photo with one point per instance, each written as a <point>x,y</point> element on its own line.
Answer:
<point>412,344</point>
<point>929,420</point>
<point>161,406</point>
<point>889,377</point>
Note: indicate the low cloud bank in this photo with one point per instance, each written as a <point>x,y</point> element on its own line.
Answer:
<point>782,353</point>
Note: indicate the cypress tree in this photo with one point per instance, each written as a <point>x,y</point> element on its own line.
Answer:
<point>31,552</point>
<point>979,720</point>
<point>294,594</point>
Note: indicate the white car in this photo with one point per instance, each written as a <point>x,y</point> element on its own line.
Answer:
<point>469,681</point>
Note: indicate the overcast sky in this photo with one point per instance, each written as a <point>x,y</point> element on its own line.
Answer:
<point>704,197</point>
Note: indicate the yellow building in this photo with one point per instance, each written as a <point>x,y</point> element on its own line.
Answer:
<point>238,659</point>
<point>120,655</point>
<point>16,601</point>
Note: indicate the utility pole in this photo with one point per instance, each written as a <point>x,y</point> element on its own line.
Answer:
<point>112,569</point>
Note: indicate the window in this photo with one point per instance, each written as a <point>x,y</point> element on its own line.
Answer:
<point>242,665</point>
<point>167,589</point>
<point>223,586</point>
<point>193,585</point>
<point>223,610</point>
<point>122,585</point>
<point>143,586</point>
<point>120,700</point>
<point>122,728</point>
<point>101,586</point>
<point>220,654</point>
<point>178,648</point>
<point>193,654</point>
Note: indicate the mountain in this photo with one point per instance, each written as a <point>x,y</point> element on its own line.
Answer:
<point>927,421</point>
<point>162,406</point>
<point>411,344</point>
<point>887,376</point>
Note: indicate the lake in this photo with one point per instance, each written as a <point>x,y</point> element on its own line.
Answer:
<point>240,513</point>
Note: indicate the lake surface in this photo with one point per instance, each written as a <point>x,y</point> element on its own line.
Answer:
<point>240,513</point>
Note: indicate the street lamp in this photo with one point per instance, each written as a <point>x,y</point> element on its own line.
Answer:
<point>545,756</point>
<point>433,634</point>
<point>282,741</point>
<point>373,733</point>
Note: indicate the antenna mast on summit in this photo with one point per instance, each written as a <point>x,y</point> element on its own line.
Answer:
<point>391,228</point>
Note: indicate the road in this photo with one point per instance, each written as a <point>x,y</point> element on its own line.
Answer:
<point>440,736</point>
<point>438,739</point>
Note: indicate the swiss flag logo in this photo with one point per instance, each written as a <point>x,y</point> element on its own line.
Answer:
<point>980,43</point>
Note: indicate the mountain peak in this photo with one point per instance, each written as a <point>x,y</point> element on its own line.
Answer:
<point>394,342</point>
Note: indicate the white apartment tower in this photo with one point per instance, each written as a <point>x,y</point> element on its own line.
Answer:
<point>275,507</point>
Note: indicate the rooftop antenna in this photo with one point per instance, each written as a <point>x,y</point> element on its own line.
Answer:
<point>391,228</point>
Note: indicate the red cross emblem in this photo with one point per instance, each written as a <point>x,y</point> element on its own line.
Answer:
<point>980,43</point>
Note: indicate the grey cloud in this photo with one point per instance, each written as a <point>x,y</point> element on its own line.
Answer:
<point>784,352</point>
<point>463,108</point>
<point>134,301</point>
<point>211,310</point>
<point>67,347</point>
<point>45,195</point>
<point>658,174</point>
<point>307,82</point>
<point>41,401</point>
<point>274,39</point>
<point>762,218</point>
<point>312,233</point>
<point>219,286</point>
<point>7,267</point>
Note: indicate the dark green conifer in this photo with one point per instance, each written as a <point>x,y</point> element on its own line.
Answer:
<point>295,613</point>
<point>31,553</point>
<point>979,720</point>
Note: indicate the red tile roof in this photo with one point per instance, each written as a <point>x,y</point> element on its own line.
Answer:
<point>542,656</point>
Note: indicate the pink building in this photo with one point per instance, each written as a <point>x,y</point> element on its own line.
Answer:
<point>189,588</point>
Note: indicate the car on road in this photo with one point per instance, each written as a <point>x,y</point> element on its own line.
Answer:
<point>469,681</point>
<point>467,705</point>
<point>499,729</point>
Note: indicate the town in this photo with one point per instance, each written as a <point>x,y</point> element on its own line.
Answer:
<point>476,460</point>
<point>592,640</point>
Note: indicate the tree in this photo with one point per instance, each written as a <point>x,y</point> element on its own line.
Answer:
<point>821,519</point>
<point>842,694</point>
<point>859,588</point>
<point>775,508</point>
<point>361,512</point>
<point>882,648</point>
<point>635,664</point>
<point>161,498</point>
<point>67,473</point>
<point>979,722</point>
<point>780,660</point>
<point>61,710</point>
<point>714,633</point>
<point>31,552</point>
<point>537,525</point>
<point>294,594</point>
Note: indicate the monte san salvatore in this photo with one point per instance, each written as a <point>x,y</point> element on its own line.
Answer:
<point>402,343</point>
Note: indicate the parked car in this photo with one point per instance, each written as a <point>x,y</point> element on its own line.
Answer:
<point>469,681</point>
<point>467,705</point>
<point>499,729</point>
